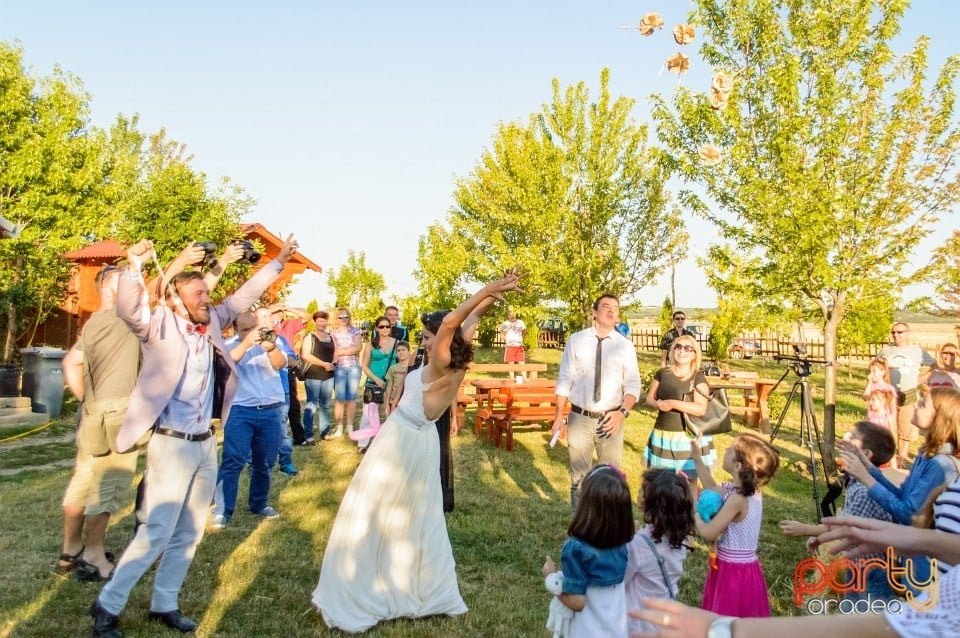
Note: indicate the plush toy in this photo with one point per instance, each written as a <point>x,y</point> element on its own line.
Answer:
<point>709,504</point>
<point>559,619</point>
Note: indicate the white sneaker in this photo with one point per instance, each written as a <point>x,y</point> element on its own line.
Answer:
<point>269,512</point>
<point>219,521</point>
<point>337,433</point>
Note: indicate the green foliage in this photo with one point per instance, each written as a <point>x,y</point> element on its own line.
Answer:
<point>666,314</point>
<point>866,323</point>
<point>835,160</point>
<point>574,195</point>
<point>358,288</point>
<point>71,184</point>
<point>944,271</point>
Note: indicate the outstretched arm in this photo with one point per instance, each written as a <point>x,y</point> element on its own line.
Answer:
<point>493,291</point>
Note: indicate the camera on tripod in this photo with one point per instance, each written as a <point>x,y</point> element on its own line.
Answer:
<point>799,362</point>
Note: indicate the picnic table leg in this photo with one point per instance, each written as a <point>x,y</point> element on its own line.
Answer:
<point>763,393</point>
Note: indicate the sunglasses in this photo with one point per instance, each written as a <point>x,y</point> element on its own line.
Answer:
<point>949,353</point>
<point>679,318</point>
<point>343,317</point>
<point>684,347</point>
<point>381,327</point>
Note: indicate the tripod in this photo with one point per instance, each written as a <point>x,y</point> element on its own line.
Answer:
<point>809,432</point>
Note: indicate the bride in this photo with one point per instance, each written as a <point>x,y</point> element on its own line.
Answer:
<point>388,555</point>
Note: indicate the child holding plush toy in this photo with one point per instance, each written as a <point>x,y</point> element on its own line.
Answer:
<point>655,555</point>
<point>594,558</point>
<point>737,587</point>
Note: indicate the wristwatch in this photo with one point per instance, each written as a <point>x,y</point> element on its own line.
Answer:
<point>721,628</point>
<point>625,412</point>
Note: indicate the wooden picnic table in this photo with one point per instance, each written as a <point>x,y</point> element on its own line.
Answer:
<point>486,387</point>
<point>756,392</point>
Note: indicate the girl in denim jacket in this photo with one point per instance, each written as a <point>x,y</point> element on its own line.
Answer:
<point>594,557</point>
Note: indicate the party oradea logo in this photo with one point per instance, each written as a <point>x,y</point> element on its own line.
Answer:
<point>845,575</point>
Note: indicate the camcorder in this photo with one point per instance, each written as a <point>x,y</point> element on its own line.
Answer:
<point>268,335</point>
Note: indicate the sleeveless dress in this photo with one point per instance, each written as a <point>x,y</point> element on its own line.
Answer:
<point>389,555</point>
<point>737,587</point>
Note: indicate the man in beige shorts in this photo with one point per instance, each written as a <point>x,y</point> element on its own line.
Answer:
<point>101,370</point>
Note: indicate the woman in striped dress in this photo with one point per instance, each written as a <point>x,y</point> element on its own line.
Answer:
<point>678,388</point>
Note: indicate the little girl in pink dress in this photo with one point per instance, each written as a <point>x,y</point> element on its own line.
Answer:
<point>735,585</point>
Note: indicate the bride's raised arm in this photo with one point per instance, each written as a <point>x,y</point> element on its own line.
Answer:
<point>465,317</point>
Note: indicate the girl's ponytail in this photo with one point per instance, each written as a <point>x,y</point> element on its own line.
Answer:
<point>758,462</point>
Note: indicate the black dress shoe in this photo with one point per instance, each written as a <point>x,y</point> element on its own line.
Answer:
<point>175,620</point>
<point>104,623</point>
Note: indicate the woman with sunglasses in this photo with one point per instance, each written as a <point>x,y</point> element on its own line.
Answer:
<point>346,376</point>
<point>377,359</point>
<point>679,388</point>
<point>945,373</point>
<point>388,555</point>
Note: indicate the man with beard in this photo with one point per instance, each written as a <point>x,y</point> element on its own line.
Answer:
<point>187,378</point>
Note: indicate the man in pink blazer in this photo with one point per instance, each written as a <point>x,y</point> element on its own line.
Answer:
<point>187,378</point>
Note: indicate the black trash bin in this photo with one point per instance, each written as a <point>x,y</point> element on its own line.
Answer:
<point>43,379</point>
<point>10,380</point>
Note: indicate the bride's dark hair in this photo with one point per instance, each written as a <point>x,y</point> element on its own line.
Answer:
<point>461,352</point>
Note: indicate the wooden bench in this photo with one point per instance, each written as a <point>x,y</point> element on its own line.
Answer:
<point>755,410</point>
<point>525,404</point>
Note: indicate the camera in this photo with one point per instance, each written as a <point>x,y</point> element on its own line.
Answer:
<point>209,253</point>
<point>266,334</point>
<point>250,254</point>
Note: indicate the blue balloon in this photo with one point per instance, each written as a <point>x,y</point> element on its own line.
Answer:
<point>709,504</point>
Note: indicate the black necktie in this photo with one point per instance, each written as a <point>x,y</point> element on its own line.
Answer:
<point>597,369</point>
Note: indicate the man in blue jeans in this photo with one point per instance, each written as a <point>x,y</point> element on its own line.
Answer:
<point>254,426</point>
<point>265,319</point>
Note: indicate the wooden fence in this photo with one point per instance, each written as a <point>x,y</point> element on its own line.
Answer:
<point>765,344</point>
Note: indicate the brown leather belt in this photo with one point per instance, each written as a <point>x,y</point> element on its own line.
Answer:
<point>587,413</point>
<point>177,434</point>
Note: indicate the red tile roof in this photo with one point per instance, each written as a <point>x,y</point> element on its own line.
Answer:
<point>101,250</point>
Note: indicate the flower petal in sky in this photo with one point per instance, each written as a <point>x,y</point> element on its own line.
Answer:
<point>709,154</point>
<point>684,34</point>
<point>678,63</point>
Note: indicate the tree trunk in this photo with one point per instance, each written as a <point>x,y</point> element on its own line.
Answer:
<point>11,337</point>
<point>673,286</point>
<point>830,394</point>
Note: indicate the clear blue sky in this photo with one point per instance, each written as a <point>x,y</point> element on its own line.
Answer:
<point>348,122</point>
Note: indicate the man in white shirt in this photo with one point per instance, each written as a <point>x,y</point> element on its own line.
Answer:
<point>600,377</point>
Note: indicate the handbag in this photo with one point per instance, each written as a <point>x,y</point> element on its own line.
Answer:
<point>716,420</point>
<point>372,393</point>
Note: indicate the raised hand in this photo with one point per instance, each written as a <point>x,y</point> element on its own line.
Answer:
<point>139,253</point>
<point>288,249</point>
<point>510,281</point>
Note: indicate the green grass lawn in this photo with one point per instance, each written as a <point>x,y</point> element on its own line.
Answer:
<point>255,578</point>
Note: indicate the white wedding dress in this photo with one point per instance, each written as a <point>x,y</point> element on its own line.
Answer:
<point>388,555</point>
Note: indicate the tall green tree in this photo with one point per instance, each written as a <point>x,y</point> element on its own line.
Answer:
<point>49,173</point>
<point>835,156</point>
<point>358,287</point>
<point>575,195</point>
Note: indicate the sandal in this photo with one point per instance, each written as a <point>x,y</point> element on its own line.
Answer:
<point>90,573</point>
<point>72,562</point>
